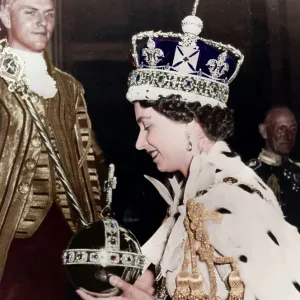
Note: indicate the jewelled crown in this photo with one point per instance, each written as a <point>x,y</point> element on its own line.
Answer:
<point>182,63</point>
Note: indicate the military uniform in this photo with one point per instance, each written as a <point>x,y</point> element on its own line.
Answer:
<point>282,175</point>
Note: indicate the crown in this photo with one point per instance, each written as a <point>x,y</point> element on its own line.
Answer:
<point>198,69</point>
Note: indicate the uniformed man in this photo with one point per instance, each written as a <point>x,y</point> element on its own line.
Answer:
<point>273,164</point>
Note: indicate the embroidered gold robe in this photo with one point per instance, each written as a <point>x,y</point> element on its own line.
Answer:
<point>28,183</point>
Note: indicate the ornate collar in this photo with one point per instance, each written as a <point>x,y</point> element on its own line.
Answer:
<point>12,66</point>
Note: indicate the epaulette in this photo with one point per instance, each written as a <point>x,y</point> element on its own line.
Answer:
<point>297,163</point>
<point>254,163</point>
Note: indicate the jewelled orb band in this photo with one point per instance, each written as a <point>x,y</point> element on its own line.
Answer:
<point>103,258</point>
<point>108,256</point>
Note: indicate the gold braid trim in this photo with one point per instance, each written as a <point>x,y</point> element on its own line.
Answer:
<point>182,286</point>
<point>236,286</point>
<point>190,286</point>
<point>273,184</point>
<point>196,279</point>
<point>183,278</point>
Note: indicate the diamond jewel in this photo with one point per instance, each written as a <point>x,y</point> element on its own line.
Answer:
<point>94,257</point>
<point>127,259</point>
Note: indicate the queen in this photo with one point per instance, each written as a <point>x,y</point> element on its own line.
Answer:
<point>225,236</point>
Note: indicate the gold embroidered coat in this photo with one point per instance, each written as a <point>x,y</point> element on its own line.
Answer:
<point>28,183</point>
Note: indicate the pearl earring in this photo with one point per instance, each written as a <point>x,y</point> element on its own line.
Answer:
<point>189,145</point>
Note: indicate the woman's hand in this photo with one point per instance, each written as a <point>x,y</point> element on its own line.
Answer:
<point>142,289</point>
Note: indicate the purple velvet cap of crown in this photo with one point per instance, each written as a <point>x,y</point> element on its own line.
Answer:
<point>195,60</point>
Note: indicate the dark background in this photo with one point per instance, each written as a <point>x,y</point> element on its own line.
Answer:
<point>92,42</point>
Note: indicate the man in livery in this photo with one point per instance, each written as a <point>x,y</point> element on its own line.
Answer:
<point>273,164</point>
<point>35,220</point>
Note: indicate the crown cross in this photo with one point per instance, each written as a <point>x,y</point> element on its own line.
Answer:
<point>110,184</point>
<point>218,67</point>
<point>152,55</point>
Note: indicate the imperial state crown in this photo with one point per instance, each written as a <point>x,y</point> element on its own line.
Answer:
<point>198,69</point>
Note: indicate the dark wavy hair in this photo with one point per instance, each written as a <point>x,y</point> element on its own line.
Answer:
<point>216,122</point>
